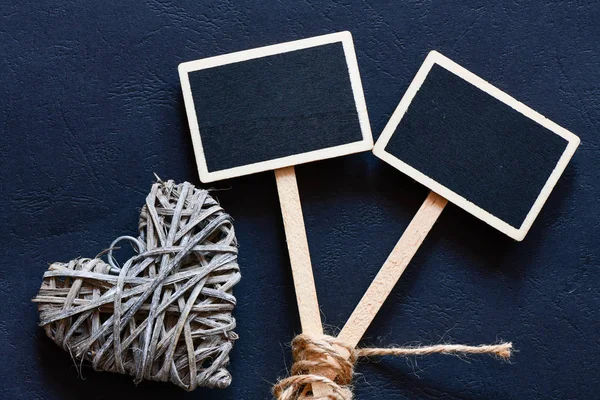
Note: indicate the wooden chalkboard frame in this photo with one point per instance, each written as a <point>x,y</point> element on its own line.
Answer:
<point>363,145</point>
<point>379,149</point>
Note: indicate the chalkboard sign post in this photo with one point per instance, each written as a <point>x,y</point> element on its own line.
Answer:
<point>471,144</point>
<point>271,108</point>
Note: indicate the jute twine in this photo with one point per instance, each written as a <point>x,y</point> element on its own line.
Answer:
<point>316,359</point>
<point>165,315</point>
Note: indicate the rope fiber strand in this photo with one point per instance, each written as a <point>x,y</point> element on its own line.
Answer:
<point>326,355</point>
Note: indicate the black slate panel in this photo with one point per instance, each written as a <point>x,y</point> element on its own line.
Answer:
<point>476,145</point>
<point>275,106</point>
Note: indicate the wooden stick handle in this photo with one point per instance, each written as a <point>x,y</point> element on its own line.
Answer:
<point>297,244</point>
<point>387,277</point>
<point>392,269</point>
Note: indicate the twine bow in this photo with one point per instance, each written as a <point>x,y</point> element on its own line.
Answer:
<point>325,354</point>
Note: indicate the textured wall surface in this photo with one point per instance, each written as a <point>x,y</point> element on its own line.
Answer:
<point>90,107</point>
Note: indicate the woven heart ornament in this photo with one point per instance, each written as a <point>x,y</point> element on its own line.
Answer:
<point>166,313</point>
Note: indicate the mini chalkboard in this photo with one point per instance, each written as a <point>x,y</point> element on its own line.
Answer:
<point>476,146</point>
<point>472,145</point>
<point>275,106</point>
<point>272,108</point>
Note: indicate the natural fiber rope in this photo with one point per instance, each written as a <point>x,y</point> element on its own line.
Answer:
<point>166,314</point>
<point>325,355</point>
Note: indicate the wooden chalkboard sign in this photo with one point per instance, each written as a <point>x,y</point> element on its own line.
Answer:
<point>275,106</point>
<point>472,145</point>
<point>271,108</point>
<point>476,146</point>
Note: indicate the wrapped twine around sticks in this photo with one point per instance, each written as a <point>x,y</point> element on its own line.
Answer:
<point>325,354</point>
<point>166,314</point>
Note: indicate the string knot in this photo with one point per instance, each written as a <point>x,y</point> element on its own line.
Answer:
<point>329,361</point>
<point>314,359</point>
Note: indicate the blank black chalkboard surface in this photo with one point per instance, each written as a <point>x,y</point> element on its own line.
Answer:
<point>472,145</point>
<point>275,106</point>
<point>271,108</point>
<point>476,146</point>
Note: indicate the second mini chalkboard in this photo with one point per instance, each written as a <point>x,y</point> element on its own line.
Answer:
<point>476,146</point>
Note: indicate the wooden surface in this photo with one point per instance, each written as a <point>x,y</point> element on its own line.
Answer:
<point>297,244</point>
<point>392,269</point>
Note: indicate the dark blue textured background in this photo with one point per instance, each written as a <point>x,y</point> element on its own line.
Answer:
<point>90,106</point>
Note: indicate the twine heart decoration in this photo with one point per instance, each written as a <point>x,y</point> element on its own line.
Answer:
<point>166,314</point>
